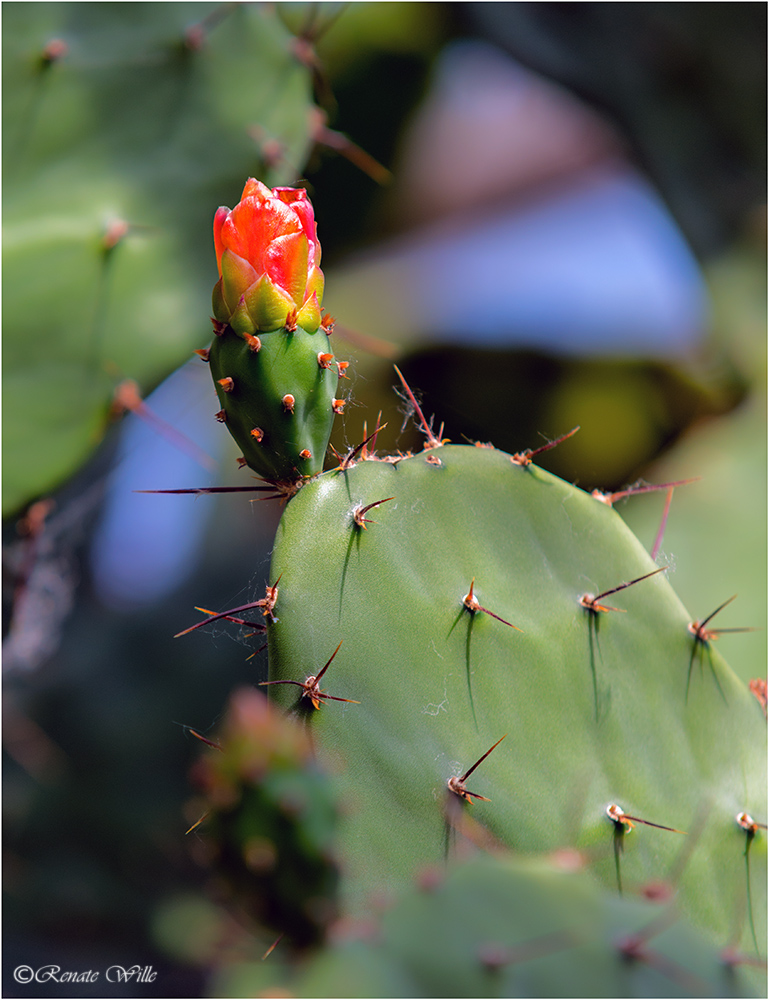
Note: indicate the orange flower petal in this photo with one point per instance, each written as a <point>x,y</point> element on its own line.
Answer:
<point>269,234</point>
<point>252,225</point>
<point>285,260</point>
<point>304,212</point>
<point>255,189</point>
<point>290,196</point>
<point>221,214</point>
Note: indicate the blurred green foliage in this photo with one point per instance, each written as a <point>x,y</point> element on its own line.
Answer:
<point>118,147</point>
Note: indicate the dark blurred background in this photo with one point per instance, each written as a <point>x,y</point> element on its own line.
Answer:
<point>548,214</point>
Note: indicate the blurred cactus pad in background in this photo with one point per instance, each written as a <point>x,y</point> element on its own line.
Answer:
<point>451,715</point>
<point>123,124</point>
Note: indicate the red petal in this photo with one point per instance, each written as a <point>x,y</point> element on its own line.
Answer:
<point>286,263</point>
<point>221,214</point>
<point>253,225</point>
<point>315,283</point>
<point>255,189</point>
<point>301,204</point>
<point>306,216</point>
<point>290,195</point>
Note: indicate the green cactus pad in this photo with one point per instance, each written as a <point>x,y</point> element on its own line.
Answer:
<point>593,703</point>
<point>277,398</point>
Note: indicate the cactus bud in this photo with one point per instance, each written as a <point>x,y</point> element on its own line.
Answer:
<point>268,256</point>
<point>277,389</point>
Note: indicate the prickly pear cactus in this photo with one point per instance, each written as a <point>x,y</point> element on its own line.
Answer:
<point>481,653</point>
<point>471,606</point>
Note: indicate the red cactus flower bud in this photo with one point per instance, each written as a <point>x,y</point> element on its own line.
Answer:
<point>268,256</point>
